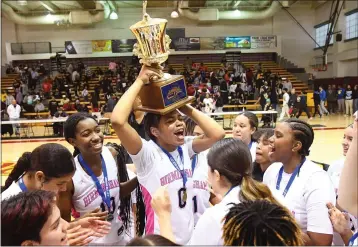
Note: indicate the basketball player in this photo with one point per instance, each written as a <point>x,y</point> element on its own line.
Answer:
<point>165,159</point>
<point>245,125</point>
<point>95,182</point>
<point>49,167</point>
<point>305,187</point>
<point>334,171</point>
<point>229,174</point>
<point>199,168</point>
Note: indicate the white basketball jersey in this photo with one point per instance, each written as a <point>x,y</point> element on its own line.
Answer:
<point>201,191</point>
<point>253,151</point>
<point>13,190</point>
<point>154,169</point>
<point>86,198</point>
<point>334,171</point>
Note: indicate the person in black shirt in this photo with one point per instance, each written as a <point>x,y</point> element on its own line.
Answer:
<point>53,106</point>
<point>262,161</point>
<point>302,105</point>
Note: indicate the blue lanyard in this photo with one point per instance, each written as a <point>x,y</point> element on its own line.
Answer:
<point>194,161</point>
<point>352,239</point>
<point>22,185</point>
<point>105,198</point>
<point>175,164</point>
<point>229,190</point>
<point>250,145</point>
<point>292,178</point>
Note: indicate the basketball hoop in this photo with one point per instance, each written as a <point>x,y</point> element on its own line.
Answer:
<point>319,63</point>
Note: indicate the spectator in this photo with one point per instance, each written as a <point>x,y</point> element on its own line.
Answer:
<point>39,107</point>
<point>53,106</point>
<point>3,95</point>
<point>331,98</point>
<point>85,93</point>
<point>58,127</point>
<point>285,107</point>
<point>355,98</point>
<point>13,110</point>
<point>79,107</point>
<point>19,97</point>
<point>208,104</point>
<point>70,68</point>
<point>340,98</point>
<point>302,105</point>
<point>75,76</point>
<point>9,99</point>
<point>111,103</point>
<point>47,86</point>
<point>24,88</point>
<point>94,103</point>
<point>348,101</point>
<point>188,63</point>
<point>287,84</point>
<point>171,70</point>
<point>317,101</point>
<point>323,98</point>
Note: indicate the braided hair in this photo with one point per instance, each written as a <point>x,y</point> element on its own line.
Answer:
<point>70,125</point>
<point>303,133</point>
<point>260,223</point>
<point>125,204</point>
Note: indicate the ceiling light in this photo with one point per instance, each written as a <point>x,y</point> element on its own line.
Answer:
<point>237,12</point>
<point>174,14</point>
<point>113,16</point>
<point>21,2</point>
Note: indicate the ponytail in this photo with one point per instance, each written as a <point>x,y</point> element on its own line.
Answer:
<point>252,190</point>
<point>22,166</point>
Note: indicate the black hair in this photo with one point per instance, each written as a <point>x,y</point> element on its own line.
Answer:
<point>285,89</point>
<point>232,159</point>
<point>125,203</point>
<point>70,125</point>
<point>260,223</point>
<point>24,215</point>
<point>151,120</point>
<point>53,159</point>
<point>266,133</point>
<point>151,240</point>
<point>303,133</point>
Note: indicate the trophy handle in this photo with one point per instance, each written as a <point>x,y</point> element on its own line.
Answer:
<point>167,42</point>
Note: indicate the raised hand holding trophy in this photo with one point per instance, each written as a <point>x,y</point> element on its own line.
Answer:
<point>167,93</point>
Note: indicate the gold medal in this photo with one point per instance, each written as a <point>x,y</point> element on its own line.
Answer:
<point>185,196</point>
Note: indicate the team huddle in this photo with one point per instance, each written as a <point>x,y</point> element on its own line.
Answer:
<point>182,183</point>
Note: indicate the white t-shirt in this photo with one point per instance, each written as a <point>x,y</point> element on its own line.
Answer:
<point>201,191</point>
<point>334,171</point>
<point>13,190</point>
<point>286,98</point>
<point>154,170</point>
<point>86,198</point>
<point>307,196</point>
<point>209,105</point>
<point>208,230</point>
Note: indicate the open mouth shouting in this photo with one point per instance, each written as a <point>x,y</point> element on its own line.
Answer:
<point>179,134</point>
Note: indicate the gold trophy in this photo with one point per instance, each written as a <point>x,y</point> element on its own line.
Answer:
<point>167,93</point>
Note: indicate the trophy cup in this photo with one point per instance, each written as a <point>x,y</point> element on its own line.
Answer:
<point>168,92</point>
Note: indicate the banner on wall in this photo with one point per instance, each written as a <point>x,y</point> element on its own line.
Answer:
<point>101,45</point>
<point>213,43</point>
<point>268,41</point>
<point>78,47</point>
<point>186,44</point>
<point>123,45</point>
<point>238,42</point>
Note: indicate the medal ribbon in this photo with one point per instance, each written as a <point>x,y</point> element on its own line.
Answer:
<point>292,178</point>
<point>106,198</point>
<point>22,185</point>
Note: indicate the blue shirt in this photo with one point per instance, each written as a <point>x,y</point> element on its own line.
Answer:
<point>322,95</point>
<point>340,93</point>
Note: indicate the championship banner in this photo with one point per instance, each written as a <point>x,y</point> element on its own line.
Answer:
<point>263,42</point>
<point>123,45</point>
<point>78,47</point>
<point>238,42</point>
<point>186,44</point>
<point>101,45</point>
<point>217,43</point>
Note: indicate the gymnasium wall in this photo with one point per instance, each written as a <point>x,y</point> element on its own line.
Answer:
<point>293,42</point>
<point>342,56</point>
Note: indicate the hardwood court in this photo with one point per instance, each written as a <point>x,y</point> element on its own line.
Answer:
<point>326,146</point>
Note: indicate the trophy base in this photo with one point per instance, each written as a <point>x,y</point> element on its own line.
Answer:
<point>165,111</point>
<point>165,95</point>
